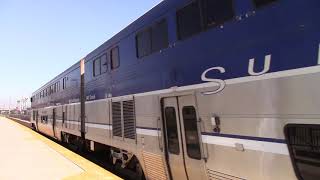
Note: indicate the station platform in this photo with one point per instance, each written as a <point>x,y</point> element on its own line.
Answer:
<point>25,154</point>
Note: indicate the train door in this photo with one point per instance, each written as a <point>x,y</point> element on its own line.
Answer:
<point>37,119</point>
<point>64,115</point>
<point>54,121</point>
<point>183,138</point>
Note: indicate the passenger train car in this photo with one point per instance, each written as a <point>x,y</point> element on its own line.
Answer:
<point>198,89</point>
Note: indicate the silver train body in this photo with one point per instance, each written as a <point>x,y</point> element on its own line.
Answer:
<point>247,107</point>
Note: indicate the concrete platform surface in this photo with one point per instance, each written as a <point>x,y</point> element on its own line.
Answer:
<point>24,154</point>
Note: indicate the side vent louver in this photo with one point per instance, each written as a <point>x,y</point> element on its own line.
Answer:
<point>116,119</point>
<point>129,119</point>
<point>215,175</point>
<point>123,119</point>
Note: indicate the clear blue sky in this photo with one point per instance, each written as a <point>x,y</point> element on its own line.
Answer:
<point>40,38</point>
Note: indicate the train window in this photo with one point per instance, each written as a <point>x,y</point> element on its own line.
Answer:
<point>217,11</point>
<point>114,57</point>
<point>189,20</point>
<point>55,88</point>
<point>44,119</point>
<point>63,117</point>
<point>172,130</point>
<point>191,132</point>
<point>159,36</point>
<point>104,63</point>
<point>64,83</point>
<point>152,39</point>
<point>261,3</point>
<point>143,41</point>
<point>97,67</point>
<point>303,141</point>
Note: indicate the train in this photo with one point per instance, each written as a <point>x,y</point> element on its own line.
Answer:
<point>198,89</point>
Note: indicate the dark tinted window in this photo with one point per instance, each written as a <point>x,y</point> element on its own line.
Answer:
<point>218,11</point>
<point>189,21</point>
<point>144,43</point>
<point>304,147</point>
<point>152,39</point>
<point>114,57</point>
<point>159,36</point>
<point>191,132</point>
<point>96,67</point>
<point>64,83</point>
<point>172,131</point>
<point>44,119</point>
<point>104,64</point>
<point>260,3</point>
<point>55,88</point>
<point>63,117</point>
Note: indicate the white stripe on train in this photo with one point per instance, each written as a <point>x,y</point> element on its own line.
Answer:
<point>141,131</point>
<point>269,147</point>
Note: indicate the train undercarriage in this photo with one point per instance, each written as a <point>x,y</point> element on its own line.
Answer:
<point>120,161</point>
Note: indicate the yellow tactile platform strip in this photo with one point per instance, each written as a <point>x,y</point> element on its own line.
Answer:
<point>46,157</point>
